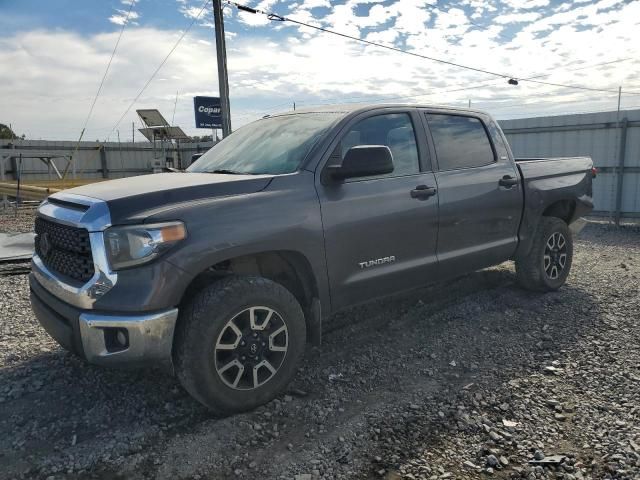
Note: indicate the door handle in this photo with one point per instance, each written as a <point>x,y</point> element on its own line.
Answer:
<point>423,192</point>
<point>508,181</point>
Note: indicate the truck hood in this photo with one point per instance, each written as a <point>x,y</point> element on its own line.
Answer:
<point>133,198</point>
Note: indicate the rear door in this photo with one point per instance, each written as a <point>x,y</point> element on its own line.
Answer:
<point>380,232</point>
<point>480,197</point>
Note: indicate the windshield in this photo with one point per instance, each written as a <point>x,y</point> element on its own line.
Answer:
<point>275,145</point>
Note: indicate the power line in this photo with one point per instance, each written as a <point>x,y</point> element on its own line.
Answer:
<point>279,18</point>
<point>137,97</point>
<point>106,71</point>
<point>455,89</point>
<point>104,76</point>
<point>152,75</point>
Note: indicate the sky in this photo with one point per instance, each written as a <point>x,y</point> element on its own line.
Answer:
<point>53,55</point>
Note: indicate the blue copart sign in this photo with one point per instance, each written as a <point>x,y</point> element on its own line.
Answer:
<point>208,112</point>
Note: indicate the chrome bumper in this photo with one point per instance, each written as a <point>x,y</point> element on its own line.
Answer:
<point>149,338</point>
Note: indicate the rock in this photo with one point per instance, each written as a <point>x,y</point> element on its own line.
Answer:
<point>551,370</point>
<point>492,461</point>
<point>547,460</point>
<point>303,476</point>
<point>297,392</point>
<point>504,461</point>
<point>538,455</point>
<point>470,464</point>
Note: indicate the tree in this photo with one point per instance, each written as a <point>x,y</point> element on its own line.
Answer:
<point>6,132</point>
<point>203,138</point>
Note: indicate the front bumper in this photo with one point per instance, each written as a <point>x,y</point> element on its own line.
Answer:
<point>106,338</point>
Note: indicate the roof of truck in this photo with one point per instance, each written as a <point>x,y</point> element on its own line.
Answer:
<point>357,107</point>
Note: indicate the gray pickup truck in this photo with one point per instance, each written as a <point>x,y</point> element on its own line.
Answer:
<point>225,271</point>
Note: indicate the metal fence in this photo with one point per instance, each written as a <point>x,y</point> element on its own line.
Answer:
<point>612,140</point>
<point>38,160</point>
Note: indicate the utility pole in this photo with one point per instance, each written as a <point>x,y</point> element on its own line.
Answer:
<point>175,104</point>
<point>619,98</point>
<point>223,80</point>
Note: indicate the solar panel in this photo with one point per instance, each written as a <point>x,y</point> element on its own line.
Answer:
<point>152,118</point>
<point>163,133</point>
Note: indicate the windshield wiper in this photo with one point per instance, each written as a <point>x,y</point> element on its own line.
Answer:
<point>228,172</point>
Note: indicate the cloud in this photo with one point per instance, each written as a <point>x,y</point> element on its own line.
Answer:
<point>529,4</point>
<point>517,18</point>
<point>280,63</point>
<point>120,18</point>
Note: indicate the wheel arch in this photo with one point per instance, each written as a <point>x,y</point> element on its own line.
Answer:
<point>289,268</point>
<point>562,209</point>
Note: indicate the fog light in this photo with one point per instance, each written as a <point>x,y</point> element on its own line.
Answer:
<point>116,339</point>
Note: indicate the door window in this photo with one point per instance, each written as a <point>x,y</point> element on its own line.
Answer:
<point>460,142</point>
<point>394,130</point>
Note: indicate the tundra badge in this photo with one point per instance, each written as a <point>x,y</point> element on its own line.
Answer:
<point>377,261</point>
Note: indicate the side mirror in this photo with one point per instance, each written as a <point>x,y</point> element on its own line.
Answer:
<point>364,161</point>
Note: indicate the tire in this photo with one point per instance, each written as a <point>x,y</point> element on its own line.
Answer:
<point>206,343</point>
<point>544,268</point>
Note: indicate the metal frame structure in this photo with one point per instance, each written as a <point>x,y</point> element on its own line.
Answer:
<point>157,129</point>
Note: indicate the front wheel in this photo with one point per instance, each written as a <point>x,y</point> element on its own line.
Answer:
<point>547,265</point>
<point>238,343</point>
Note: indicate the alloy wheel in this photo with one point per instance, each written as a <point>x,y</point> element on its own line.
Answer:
<point>555,255</point>
<point>251,348</point>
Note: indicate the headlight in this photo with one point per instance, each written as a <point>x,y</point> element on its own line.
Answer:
<point>132,245</point>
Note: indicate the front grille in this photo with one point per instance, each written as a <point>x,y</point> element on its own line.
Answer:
<point>64,249</point>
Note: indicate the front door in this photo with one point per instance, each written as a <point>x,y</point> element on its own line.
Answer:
<point>380,232</point>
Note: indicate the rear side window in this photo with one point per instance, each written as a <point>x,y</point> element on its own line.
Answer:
<point>460,142</point>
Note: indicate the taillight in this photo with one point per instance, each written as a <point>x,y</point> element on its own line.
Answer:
<point>594,172</point>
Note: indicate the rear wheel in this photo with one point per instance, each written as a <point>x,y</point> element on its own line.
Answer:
<point>238,343</point>
<point>547,265</point>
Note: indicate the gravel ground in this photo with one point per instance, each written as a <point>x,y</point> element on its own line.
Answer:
<point>470,379</point>
<point>17,221</point>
